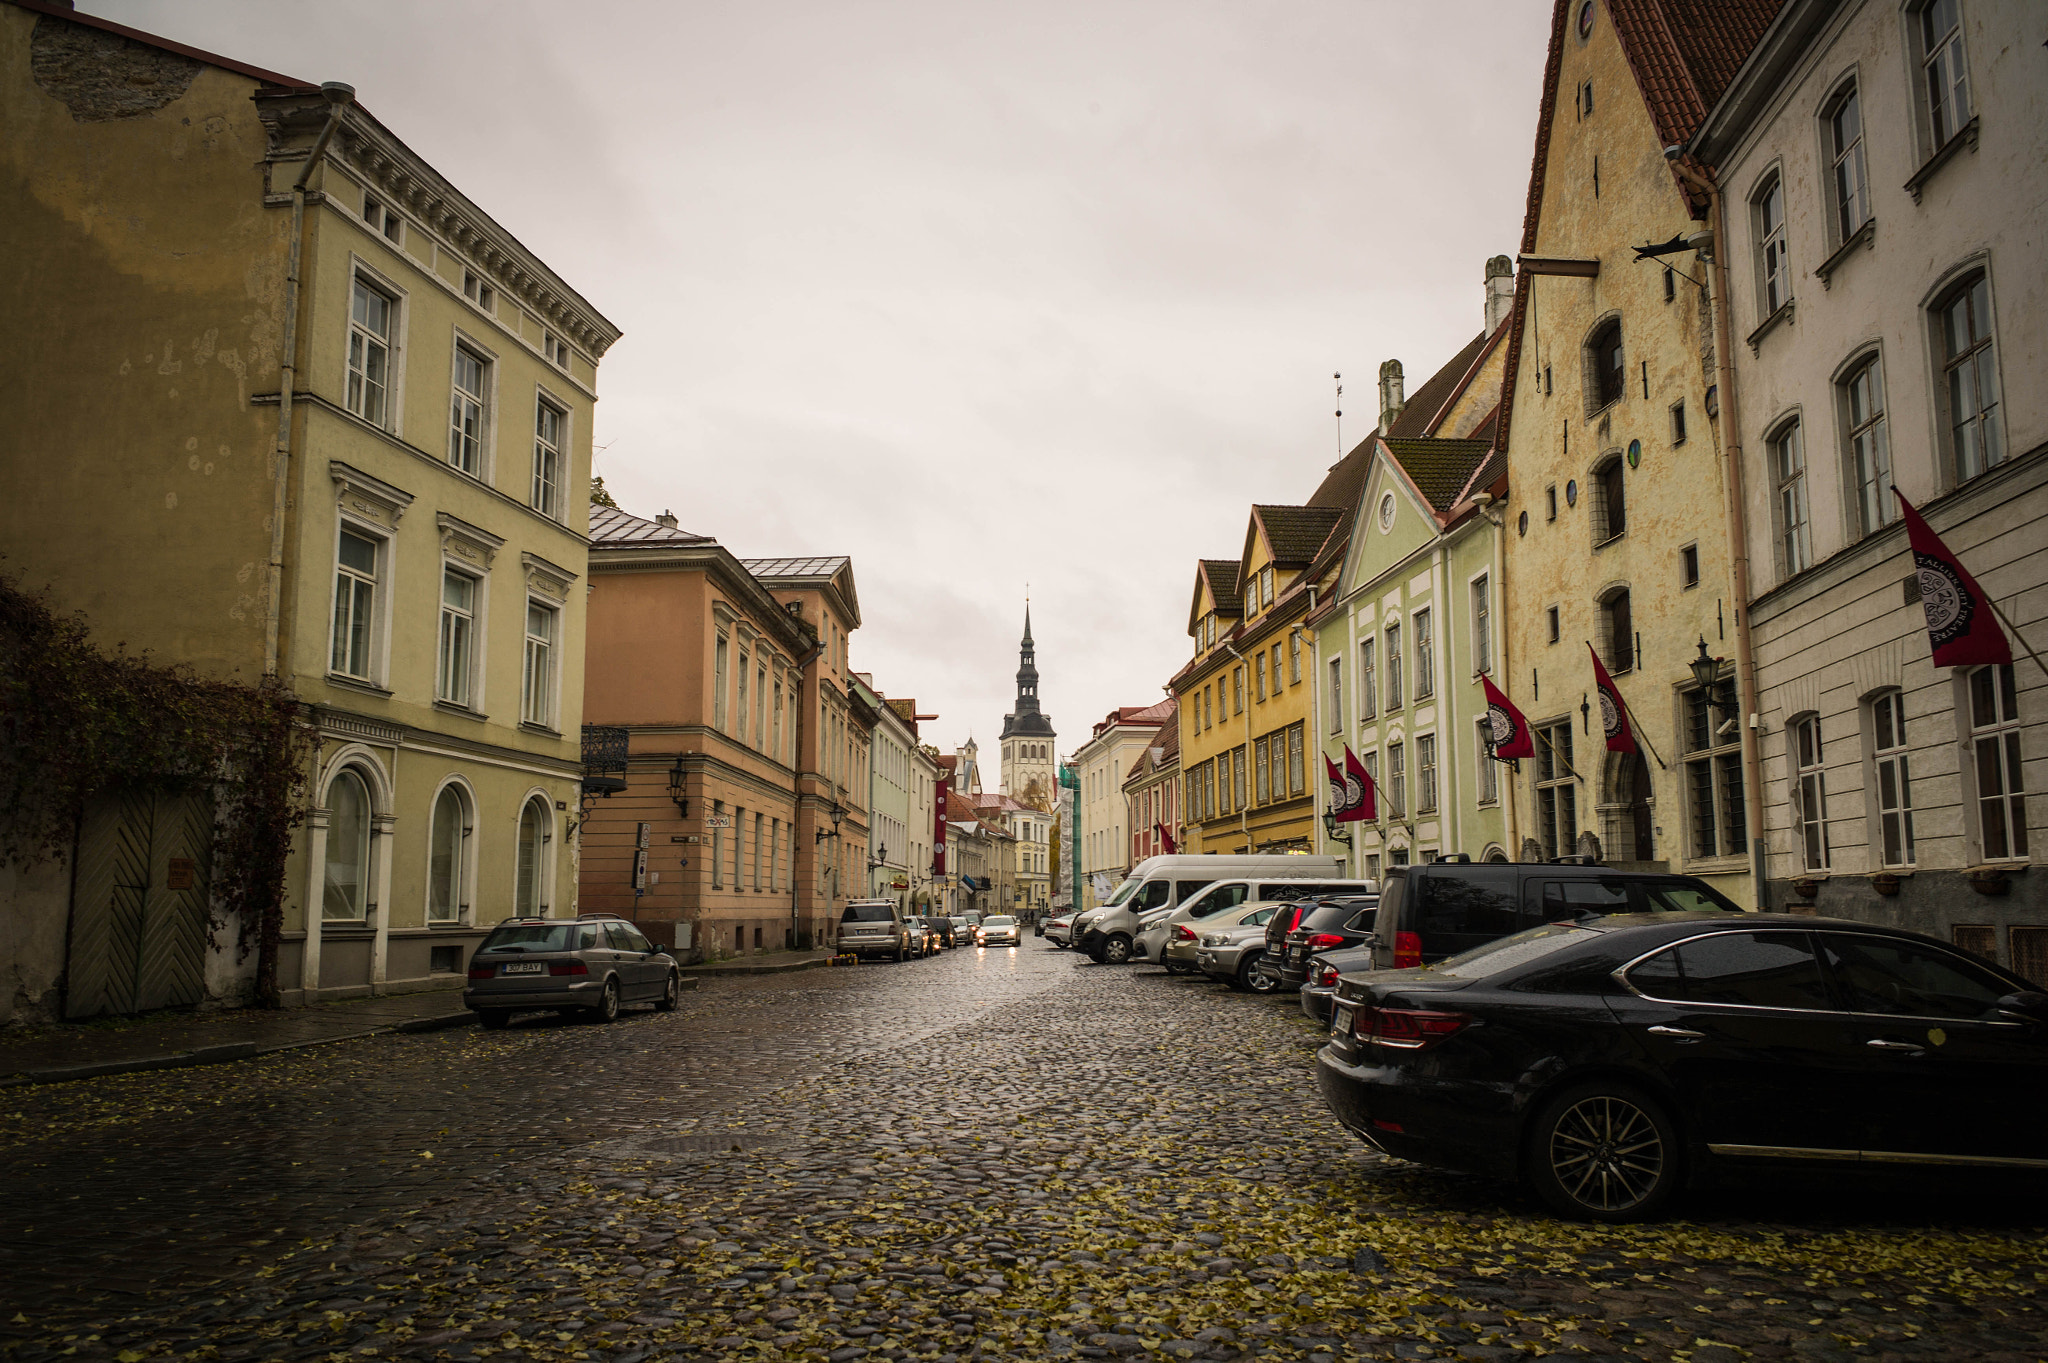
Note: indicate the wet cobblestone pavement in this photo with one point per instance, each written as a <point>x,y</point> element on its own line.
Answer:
<point>1002,1155</point>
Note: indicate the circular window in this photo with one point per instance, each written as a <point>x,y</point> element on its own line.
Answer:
<point>1571,493</point>
<point>1387,512</point>
<point>1586,18</point>
<point>1635,454</point>
<point>1522,524</point>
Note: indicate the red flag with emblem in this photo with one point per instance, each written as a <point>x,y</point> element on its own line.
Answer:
<point>1505,725</point>
<point>1365,806</point>
<point>1613,714</point>
<point>1962,629</point>
<point>1166,839</point>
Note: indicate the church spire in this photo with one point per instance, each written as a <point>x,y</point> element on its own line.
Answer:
<point>1025,717</point>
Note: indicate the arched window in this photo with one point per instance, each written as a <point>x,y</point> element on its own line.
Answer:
<point>1606,377</point>
<point>1870,457</point>
<point>1890,755</point>
<point>1610,501</point>
<point>1788,479</point>
<point>535,829</point>
<point>1810,793</point>
<point>1970,376</point>
<point>1849,193</point>
<point>1774,271</point>
<point>1618,630</point>
<point>347,889</point>
<point>447,864</point>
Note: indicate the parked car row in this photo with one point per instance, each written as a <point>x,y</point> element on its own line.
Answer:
<point>879,928</point>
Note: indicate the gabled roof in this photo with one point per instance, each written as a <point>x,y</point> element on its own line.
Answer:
<point>613,528</point>
<point>1440,469</point>
<point>1293,533</point>
<point>1221,576</point>
<point>831,571</point>
<point>1166,738</point>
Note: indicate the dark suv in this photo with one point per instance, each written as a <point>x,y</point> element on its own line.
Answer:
<point>1441,908</point>
<point>1329,925</point>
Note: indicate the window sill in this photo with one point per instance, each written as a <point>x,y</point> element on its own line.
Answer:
<point>1604,408</point>
<point>449,707</point>
<point>1863,236</point>
<point>528,726</point>
<point>1598,545</point>
<point>1966,136</point>
<point>1770,324</point>
<point>357,684</point>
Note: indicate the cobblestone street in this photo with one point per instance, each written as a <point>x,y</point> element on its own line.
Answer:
<point>1004,1154</point>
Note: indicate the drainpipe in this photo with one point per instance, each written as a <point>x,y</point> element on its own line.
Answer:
<point>338,97</point>
<point>1497,589</point>
<point>1730,431</point>
<point>1244,817</point>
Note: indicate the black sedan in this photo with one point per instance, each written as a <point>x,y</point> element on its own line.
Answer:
<point>1607,1063</point>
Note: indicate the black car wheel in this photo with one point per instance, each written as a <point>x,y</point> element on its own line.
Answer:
<point>1116,950</point>
<point>671,994</point>
<point>1604,1152</point>
<point>607,1009</point>
<point>494,1018</point>
<point>1256,976</point>
<point>900,953</point>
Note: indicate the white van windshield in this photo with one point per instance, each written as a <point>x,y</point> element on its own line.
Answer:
<point>1123,892</point>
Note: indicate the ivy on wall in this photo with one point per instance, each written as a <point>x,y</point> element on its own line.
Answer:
<point>77,722</point>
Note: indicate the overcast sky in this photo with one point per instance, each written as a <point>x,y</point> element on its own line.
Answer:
<point>978,294</point>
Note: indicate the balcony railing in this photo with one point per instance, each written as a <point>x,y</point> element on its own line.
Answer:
<point>604,759</point>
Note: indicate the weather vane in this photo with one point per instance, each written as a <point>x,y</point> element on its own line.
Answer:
<point>1340,414</point>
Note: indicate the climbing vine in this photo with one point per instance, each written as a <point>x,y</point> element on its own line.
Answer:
<point>77,721</point>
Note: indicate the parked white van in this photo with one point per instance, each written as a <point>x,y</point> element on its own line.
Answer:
<point>1157,883</point>
<point>1161,945</point>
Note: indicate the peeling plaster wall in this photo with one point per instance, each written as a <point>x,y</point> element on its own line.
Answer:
<point>32,928</point>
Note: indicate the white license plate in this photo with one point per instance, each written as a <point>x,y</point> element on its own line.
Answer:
<point>524,968</point>
<point>1340,1020</point>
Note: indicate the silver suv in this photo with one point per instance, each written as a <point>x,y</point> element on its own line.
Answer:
<point>875,927</point>
<point>594,963</point>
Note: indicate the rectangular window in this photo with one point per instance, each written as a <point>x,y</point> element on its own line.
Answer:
<point>1678,422</point>
<point>1788,476</point>
<point>476,291</point>
<point>1688,571</point>
<point>1368,680</point>
<point>1894,779</point>
<point>1995,736</point>
<point>1265,586</point>
<point>369,353</point>
<point>458,629</point>
<point>718,668</point>
<point>1259,676</point>
<point>1972,379</point>
<point>1425,658</point>
<point>1489,770</point>
<point>717,845</point>
<point>745,699</point>
<point>466,411</point>
<point>1425,773</point>
<point>1947,79</point>
<point>1237,777</point>
<point>1237,690</point>
<point>1845,153</point>
<point>1482,627</point>
<point>1294,658</point>
<point>1262,790</point>
<point>761,710</point>
<point>1870,459</point>
<point>548,421</point>
<point>1397,780</point>
<point>1393,667</point>
<point>1336,695</point>
<point>1770,231</point>
<point>1617,622</point>
<point>1550,503</point>
<point>1552,622</point>
<point>1297,776</point>
<point>355,605</point>
<point>1810,794</point>
<point>775,750</point>
<point>756,851</point>
<point>1557,799</point>
<point>1713,780</point>
<point>537,689</point>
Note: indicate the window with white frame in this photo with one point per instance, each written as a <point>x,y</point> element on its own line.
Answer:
<point>1293,657</point>
<point>537,686</point>
<point>1995,744</point>
<point>358,561</point>
<point>380,218</point>
<point>1848,188</point>
<point>1425,773</point>
<point>718,670</point>
<point>1557,796</point>
<point>1336,695</point>
<point>1713,779</point>
<point>1774,269</point>
<point>1894,779</point>
<point>478,292</point>
<point>740,729</point>
<point>1393,667</point>
<point>1788,481</point>
<point>536,831</point>
<point>1482,626</point>
<point>447,860</point>
<point>1425,656</point>
<point>1970,372</point>
<point>549,423</point>
<point>1869,453</point>
<point>1810,793</point>
<point>345,892</point>
<point>761,708</point>
<point>371,314</point>
<point>1945,78</point>
<point>466,410</point>
<point>456,662</point>
<point>1396,788</point>
<point>1488,770</point>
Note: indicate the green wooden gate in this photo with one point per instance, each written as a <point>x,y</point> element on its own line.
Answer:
<point>139,903</point>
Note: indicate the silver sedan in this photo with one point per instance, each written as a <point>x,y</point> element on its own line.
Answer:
<point>1231,951</point>
<point>998,931</point>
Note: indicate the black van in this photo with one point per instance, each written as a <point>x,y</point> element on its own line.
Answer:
<point>1441,908</point>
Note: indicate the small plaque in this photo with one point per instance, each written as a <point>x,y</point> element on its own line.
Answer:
<point>183,871</point>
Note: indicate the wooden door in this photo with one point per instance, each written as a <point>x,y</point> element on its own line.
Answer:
<point>139,903</point>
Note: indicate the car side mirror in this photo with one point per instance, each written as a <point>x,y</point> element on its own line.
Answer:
<point>2031,1006</point>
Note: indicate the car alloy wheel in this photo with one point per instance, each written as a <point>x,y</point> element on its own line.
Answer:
<point>1604,1152</point>
<point>671,994</point>
<point>1116,950</point>
<point>1257,977</point>
<point>607,1009</point>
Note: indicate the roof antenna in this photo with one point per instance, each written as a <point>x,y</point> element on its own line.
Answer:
<point>1340,414</point>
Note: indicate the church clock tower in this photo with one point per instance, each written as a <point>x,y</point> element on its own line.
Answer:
<point>1028,758</point>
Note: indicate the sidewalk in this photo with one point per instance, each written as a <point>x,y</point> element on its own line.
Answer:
<point>47,1055</point>
<point>768,963</point>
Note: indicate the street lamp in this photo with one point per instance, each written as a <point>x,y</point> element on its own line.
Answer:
<point>880,858</point>
<point>1330,827</point>
<point>837,814</point>
<point>675,788</point>
<point>1707,672</point>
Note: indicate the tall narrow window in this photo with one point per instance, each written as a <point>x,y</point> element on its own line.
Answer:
<point>718,845</point>
<point>548,421</point>
<point>1237,690</point>
<point>1851,195</point>
<point>761,708</point>
<point>1425,773</point>
<point>1947,80</point>
<point>719,654</point>
<point>1368,680</point>
<point>1261,790</point>
<point>1607,370</point>
<point>1870,457</point>
<point>1972,387</point>
<point>1482,627</point>
<point>1617,624</point>
<point>1610,501</point>
<point>369,353</point>
<point>1810,785</point>
<point>1336,695</point>
<point>1297,777</point>
<point>458,626</point>
<point>1995,735</point>
<point>347,881</point>
<point>1788,476</point>
<point>1770,232</point>
<point>1393,667</point>
<point>536,825</point>
<point>537,690</point>
<point>775,740</point>
<point>1293,657</point>
<point>355,605</point>
<point>1425,657</point>
<point>466,411</point>
<point>1259,675</point>
<point>447,895</point>
<point>1894,779</point>
<point>1557,797</point>
<point>745,699</point>
<point>1489,770</point>
<point>1397,780</point>
<point>1237,776</point>
<point>1713,779</point>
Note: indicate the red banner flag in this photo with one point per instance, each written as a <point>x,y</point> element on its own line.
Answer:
<point>1166,839</point>
<point>1613,714</point>
<point>939,828</point>
<point>1961,627</point>
<point>1359,788</point>
<point>1505,725</point>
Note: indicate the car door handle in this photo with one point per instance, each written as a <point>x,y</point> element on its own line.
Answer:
<point>1681,1033</point>
<point>1907,1046</point>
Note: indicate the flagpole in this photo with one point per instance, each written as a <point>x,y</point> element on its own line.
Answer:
<point>2014,631</point>
<point>1635,726</point>
<point>1562,759</point>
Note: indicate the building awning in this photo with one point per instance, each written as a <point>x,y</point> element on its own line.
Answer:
<point>973,884</point>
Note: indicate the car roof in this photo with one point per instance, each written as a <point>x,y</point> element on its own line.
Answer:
<point>1675,925</point>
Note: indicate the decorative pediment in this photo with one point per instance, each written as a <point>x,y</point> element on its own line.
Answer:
<point>461,540</point>
<point>372,498</point>
<point>546,578</point>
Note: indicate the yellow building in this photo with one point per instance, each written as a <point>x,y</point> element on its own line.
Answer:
<point>295,408</point>
<point>1618,526</point>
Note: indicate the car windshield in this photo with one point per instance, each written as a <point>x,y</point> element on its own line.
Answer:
<point>866,913</point>
<point>1686,896</point>
<point>1510,953</point>
<point>1123,892</point>
<point>999,922</point>
<point>530,937</point>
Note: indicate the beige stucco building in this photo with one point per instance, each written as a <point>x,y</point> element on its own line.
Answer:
<point>323,420</point>
<point>1100,766</point>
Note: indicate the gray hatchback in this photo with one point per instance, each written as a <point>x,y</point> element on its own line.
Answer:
<point>595,963</point>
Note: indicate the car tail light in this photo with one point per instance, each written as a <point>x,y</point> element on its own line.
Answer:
<point>1326,975</point>
<point>1407,1028</point>
<point>1184,933</point>
<point>483,972</point>
<point>568,968</point>
<point>1407,950</point>
<point>1323,941</point>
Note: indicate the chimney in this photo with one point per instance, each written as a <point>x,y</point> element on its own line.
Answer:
<point>1500,291</point>
<point>667,518</point>
<point>1391,397</point>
